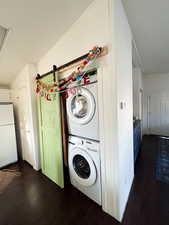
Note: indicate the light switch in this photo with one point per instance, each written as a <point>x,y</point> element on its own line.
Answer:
<point>122,105</point>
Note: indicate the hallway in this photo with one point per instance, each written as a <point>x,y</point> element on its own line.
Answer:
<point>149,199</point>
<point>32,199</point>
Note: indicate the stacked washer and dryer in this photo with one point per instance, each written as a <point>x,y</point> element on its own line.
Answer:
<point>84,150</point>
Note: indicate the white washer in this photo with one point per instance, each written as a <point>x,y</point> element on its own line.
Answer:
<point>82,111</point>
<point>84,167</point>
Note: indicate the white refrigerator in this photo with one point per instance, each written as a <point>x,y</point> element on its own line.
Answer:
<point>8,149</point>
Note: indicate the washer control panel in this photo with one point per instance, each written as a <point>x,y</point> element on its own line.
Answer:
<point>89,145</point>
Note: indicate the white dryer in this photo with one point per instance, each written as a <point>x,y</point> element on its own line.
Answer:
<point>84,167</point>
<point>82,111</point>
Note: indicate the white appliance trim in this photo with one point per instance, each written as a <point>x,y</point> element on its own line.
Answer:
<point>8,153</point>
<point>91,188</point>
<point>78,150</point>
<point>92,105</point>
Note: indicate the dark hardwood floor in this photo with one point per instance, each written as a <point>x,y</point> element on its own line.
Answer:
<point>149,199</point>
<point>31,199</point>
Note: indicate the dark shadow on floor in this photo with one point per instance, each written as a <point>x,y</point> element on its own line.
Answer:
<point>31,199</point>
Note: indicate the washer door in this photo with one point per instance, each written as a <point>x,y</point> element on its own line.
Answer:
<point>81,107</point>
<point>82,167</point>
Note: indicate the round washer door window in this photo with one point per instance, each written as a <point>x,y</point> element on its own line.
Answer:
<point>81,107</point>
<point>82,167</point>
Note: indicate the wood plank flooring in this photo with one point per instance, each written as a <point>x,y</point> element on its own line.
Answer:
<point>149,199</point>
<point>31,199</point>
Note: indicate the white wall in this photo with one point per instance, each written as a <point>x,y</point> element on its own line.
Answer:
<point>105,23</point>
<point>24,99</point>
<point>5,95</point>
<point>156,83</point>
<point>89,30</point>
<point>153,84</point>
<point>137,86</point>
<point>123,43</point>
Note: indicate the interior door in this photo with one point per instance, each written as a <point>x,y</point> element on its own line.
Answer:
<point>23,120</point>
<point>51,138</point>
<point>159,114</point>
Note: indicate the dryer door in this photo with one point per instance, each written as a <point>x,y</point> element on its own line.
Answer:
<point>82,167</point>
<point>81,107</point>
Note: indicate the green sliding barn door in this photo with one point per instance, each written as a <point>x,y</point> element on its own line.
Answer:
<point>50,137</point>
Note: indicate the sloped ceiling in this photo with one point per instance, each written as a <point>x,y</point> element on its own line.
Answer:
<point>35,26</point>
<point>149,21</point>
